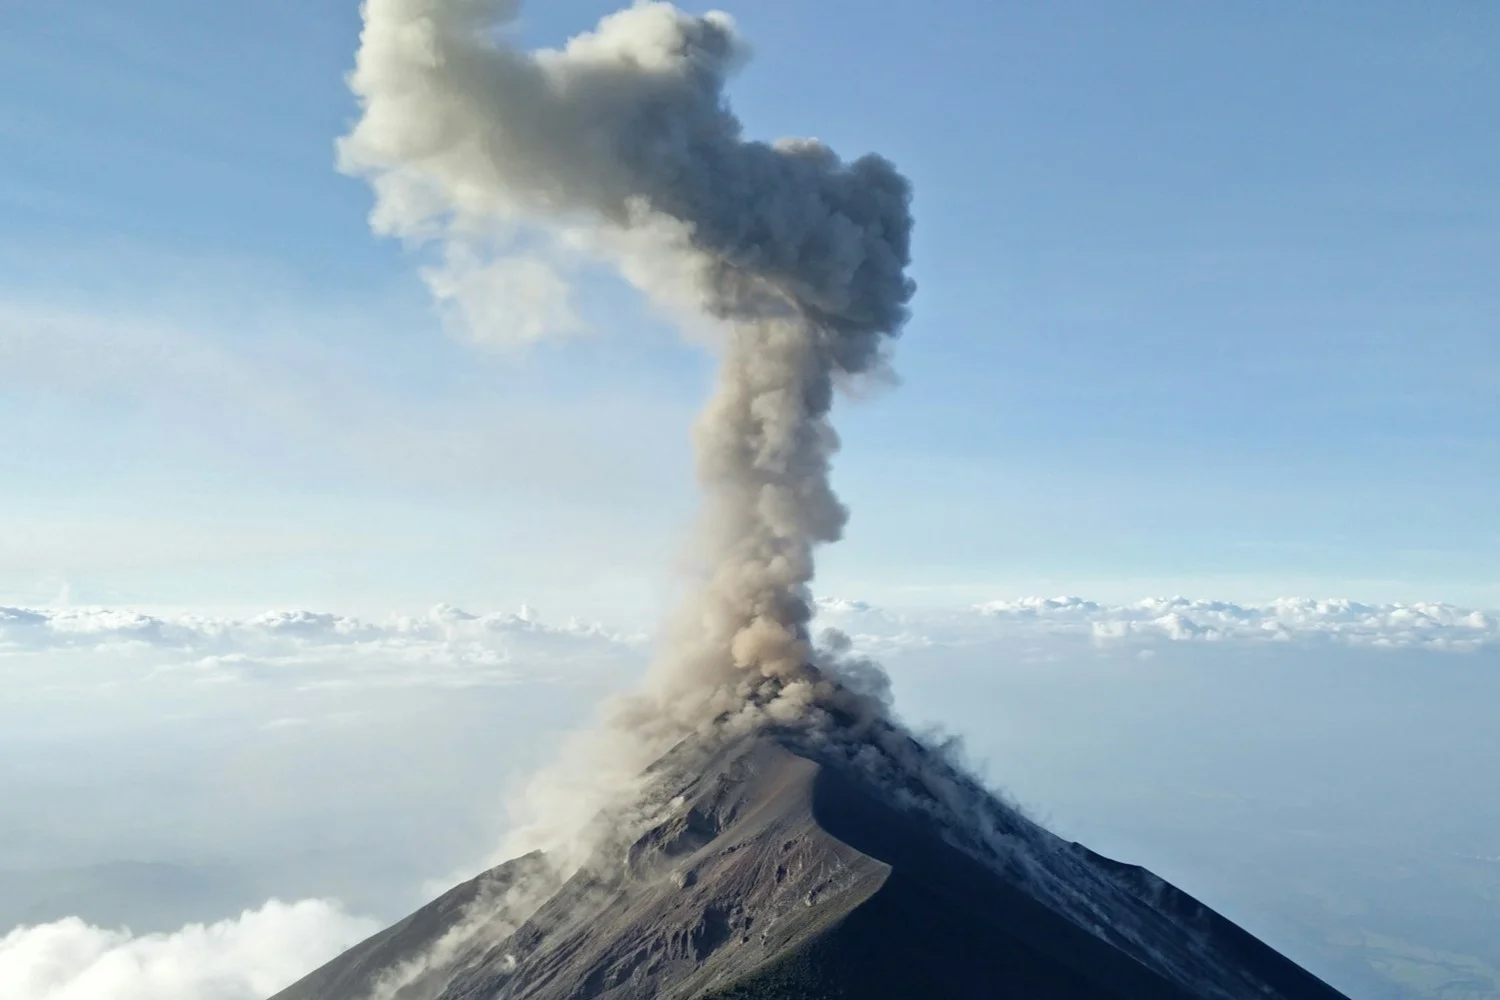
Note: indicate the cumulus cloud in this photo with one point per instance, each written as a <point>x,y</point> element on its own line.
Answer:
<point>246,958</point>
<point>451,647</point>
<point>1426,625</point>
<point>445,647</point>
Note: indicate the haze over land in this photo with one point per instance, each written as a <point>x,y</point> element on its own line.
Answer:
<point>1323,783</point>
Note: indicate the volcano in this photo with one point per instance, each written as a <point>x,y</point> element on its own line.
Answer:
<point>781,868</point>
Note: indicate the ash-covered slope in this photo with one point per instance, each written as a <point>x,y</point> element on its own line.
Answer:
<point>782,870</point>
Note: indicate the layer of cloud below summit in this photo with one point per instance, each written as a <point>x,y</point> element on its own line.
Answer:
<point>450,638</point>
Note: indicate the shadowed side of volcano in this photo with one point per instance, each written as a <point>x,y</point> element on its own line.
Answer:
<point>1052,920</point>
<point>779,872</point>
<point>940,925</point>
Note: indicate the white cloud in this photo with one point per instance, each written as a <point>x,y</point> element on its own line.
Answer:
<point>1175,619</point>
<point>246,958</point>
<point>452,648</point>
<point>446,647</point>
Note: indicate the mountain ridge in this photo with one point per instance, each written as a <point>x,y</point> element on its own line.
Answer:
<point>778,869</point>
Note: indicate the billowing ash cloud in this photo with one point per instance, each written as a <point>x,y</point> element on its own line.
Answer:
<point>622,142</point>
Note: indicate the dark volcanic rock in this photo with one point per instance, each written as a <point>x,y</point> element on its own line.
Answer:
<point>782,874</point>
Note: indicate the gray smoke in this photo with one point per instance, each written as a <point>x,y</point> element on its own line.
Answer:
<point>622,143</point>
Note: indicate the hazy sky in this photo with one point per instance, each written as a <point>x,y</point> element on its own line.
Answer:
<point>1207,305</point>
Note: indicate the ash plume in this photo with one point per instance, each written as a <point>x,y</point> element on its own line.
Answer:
<point>739,786</point>
<point>622,142</point>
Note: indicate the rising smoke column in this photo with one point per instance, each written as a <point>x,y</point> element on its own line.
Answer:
<point>622,141</point>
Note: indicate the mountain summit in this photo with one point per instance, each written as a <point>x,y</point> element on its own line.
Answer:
<point>778,867</point>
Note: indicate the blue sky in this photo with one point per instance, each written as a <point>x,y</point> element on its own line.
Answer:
<point>1206,305</point>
